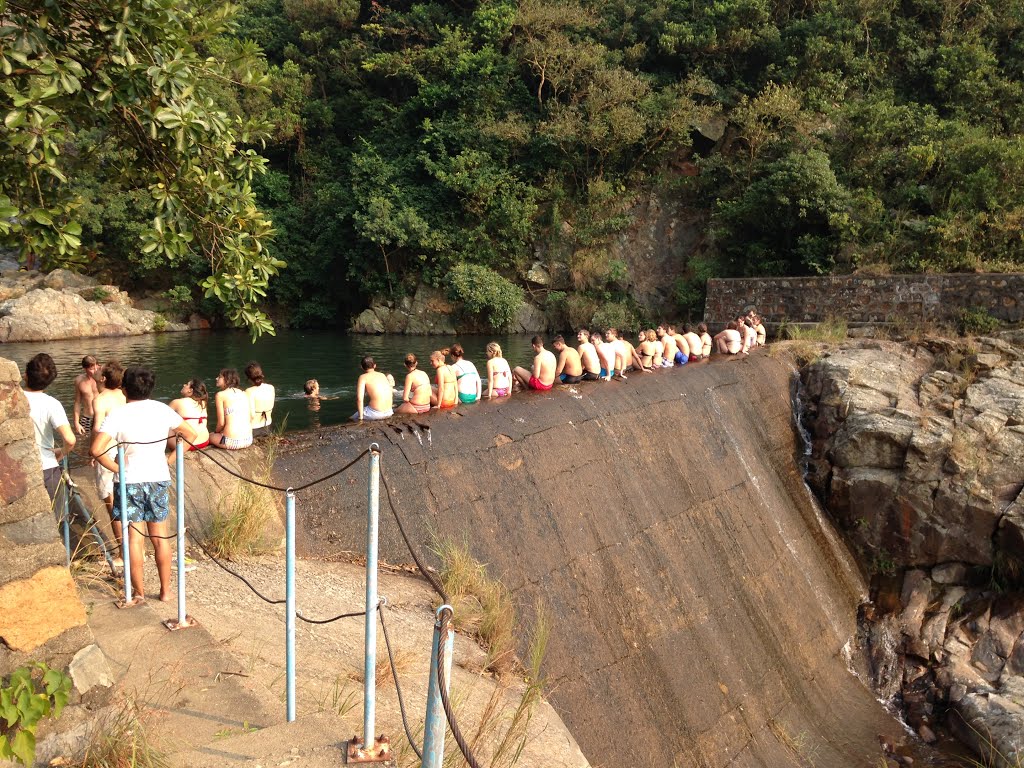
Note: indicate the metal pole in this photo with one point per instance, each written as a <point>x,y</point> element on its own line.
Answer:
<point>125,532</point>
<point>370,659</point>
<point>66,506</point>
<point>289,621</point>
<point>179,512</point>
<point>434,726</point>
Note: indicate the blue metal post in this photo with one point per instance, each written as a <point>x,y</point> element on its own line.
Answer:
<point>434,726</point>
<point>370,660</point>
<point>66,506</point>
<point>125,531</point>
<point>289,620</point>
<point>179,512</point>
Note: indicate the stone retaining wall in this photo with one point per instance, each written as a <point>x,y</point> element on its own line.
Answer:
<point>42,617</point>
<point>866,300</point>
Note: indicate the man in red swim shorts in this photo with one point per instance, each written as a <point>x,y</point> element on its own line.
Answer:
<point>542,377</point>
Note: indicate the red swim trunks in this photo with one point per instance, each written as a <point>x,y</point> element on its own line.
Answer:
<point>536,383</point>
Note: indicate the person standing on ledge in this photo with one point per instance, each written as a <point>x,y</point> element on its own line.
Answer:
<point>86,389</point>
<point>542,376</point>
<point>110,398</point>
<point>375,385</point>
<point>49,418</point>
<point>143,425</point>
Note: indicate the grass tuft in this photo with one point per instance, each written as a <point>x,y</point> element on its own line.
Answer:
<point>241,516</point>
<point>120,740</point>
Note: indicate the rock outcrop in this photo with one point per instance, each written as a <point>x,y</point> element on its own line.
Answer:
<point>65,305</point>
<point>918,452</point>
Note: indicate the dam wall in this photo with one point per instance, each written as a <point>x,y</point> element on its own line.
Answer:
<point>863,299</point>
<point>701,606</point>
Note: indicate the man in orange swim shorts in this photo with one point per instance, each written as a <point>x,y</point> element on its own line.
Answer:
<point>542,377</point>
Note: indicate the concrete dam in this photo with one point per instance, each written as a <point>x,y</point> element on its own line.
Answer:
<point>702,608</point>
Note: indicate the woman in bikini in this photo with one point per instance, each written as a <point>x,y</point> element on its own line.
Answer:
<point>499,375</point>
<point>191,406</point>
<point>446,393</point>
<point>234,424</point>
<point>261,400</point>
<point>468,378</point>
<point>416,395</point>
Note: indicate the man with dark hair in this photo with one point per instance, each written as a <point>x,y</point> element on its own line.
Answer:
<point>588,356</point>
<point>86,389</point>
<point>142,425</point>
<point>542,376</point>
<point>49,417</point>
<point>381,395</point>
<point>570,367</point>
<point>110,398</point>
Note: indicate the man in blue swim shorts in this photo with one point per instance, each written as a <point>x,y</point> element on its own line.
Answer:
<point>142,425</point>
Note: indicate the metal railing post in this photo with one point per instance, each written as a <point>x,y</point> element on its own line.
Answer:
<point>65,504</point>
<point>370,658</point>
<point>435,723</point>
<point>125,530</point>
<point>289,621</point>
<point>183,620</point>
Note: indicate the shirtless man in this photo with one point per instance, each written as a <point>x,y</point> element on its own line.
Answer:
<point>570,367</point>
<point>729,341</point>
<point>682,346</point>
<point>668,347</point>
<point>374,384</point>
<point>633,361</point>
<point>694,343</point>
<point>622,356</point>
<point>588,356</point>
<point>542,376</point>
<point>605,353</point>
<point>705,339</point>
<point>110,398</point>
<point>86,390</point>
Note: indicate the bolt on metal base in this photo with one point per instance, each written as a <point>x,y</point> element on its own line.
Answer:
<point>379,754</point>
<point>174,625</point>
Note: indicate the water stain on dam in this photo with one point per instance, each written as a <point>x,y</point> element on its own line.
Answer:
<point>701,610</point>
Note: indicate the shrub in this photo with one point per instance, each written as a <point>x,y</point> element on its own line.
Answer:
<point>159,323</point>
<point>975,321</point>
<point>615,314</point>
<point>30,694</point>
<point>485,294</point>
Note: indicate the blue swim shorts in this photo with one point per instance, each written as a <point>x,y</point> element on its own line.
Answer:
<point>147,502</point>
<point>680,358</point>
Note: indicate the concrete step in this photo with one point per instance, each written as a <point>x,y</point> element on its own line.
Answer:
<point>198,691</point>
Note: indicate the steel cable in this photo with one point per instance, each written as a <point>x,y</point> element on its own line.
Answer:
<point>398,687</point>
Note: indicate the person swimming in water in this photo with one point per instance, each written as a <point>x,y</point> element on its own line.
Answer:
<point>416,393</point>
<point>499,374</point>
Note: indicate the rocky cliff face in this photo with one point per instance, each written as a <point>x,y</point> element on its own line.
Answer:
<point>918,452</point>
<point>65,305</point>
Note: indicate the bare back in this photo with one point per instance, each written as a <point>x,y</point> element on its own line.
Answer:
<point>379,394</point>
<point>417,388</point>
<point>569,362</point>
<point>588,357</point>
<point>544,365</point>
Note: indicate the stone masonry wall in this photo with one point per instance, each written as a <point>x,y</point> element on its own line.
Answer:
<point>865,300</point>
<point>42,617</point>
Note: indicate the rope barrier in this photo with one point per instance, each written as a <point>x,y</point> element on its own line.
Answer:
<point>449,713</point>
<point>434,582</point>
<point>398,687</point>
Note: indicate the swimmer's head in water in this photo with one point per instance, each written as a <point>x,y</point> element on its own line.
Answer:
<point>367,363</point>
<point>254,373</point>
<point>493,349</point>
<point>228,377</point>
<point>312,387</point>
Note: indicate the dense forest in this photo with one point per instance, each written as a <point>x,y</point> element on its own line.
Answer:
<point>456,142</point>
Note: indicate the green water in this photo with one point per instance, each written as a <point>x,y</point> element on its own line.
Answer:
<point>288,360</point>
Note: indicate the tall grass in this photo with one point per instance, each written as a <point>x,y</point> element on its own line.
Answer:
<point>120,740</point>
<point>831,329</point>
<point>240,519</point>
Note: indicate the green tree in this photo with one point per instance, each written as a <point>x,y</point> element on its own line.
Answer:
<point>136,75</point>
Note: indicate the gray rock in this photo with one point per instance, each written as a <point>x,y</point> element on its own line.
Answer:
<point>950,573</point>
<point>89,669</point>
<point>991,724</point>
<point>60,279</point>
<point>538,274</point>
<point>367,322</point>
<point>530,319</point>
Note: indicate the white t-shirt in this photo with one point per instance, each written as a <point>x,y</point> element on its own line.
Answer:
<point>749,338</point>
<point>606,353</point>
<point>467,376</point>
<point>142,421</point>
<point>48,415</point>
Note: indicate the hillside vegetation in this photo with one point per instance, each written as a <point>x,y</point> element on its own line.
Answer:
<point>413,137</point>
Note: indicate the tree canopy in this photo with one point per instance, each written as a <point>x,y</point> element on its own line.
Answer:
<point>131,93</point>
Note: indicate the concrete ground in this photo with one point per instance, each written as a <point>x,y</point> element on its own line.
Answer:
<point>216,692</point>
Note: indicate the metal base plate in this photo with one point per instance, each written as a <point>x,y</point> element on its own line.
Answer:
<point>133,603</point>
<point>174,625</point>
<point>380,755</point>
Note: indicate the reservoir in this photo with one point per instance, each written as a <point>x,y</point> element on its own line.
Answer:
<point>288,359</point>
